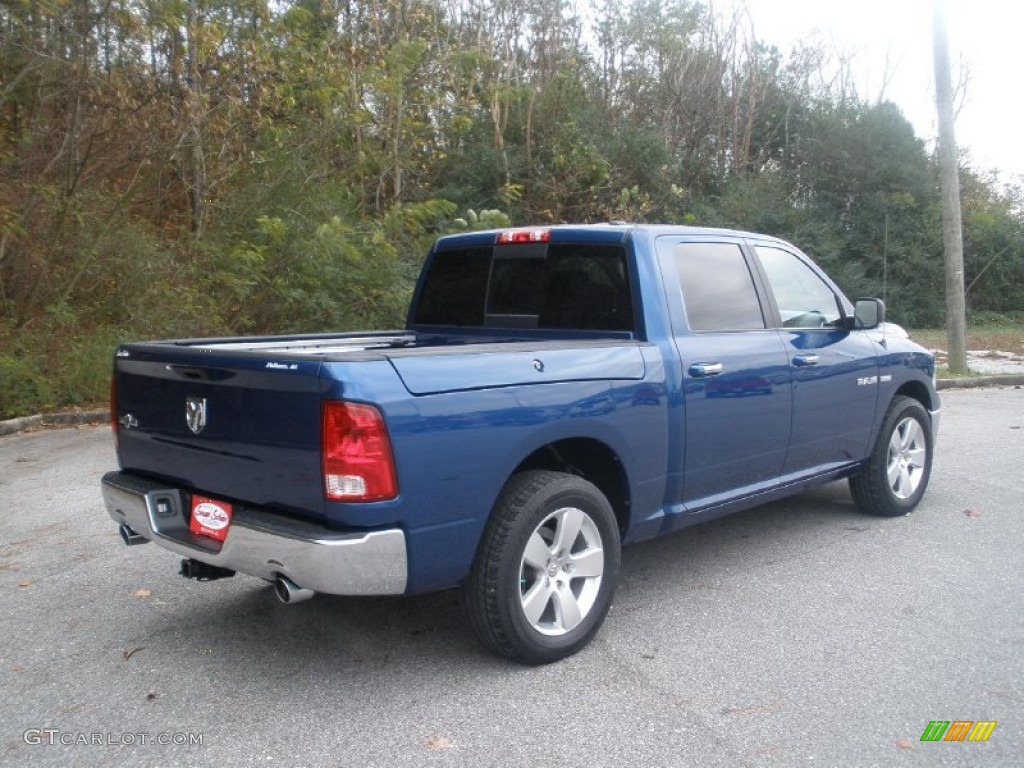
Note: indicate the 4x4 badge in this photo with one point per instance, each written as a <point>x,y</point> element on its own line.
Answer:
<point>195,414</point>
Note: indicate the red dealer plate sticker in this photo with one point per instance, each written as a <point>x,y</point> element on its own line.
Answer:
<point>210,517</point>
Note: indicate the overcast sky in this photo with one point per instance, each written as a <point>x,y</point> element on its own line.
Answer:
<point>986,40</point>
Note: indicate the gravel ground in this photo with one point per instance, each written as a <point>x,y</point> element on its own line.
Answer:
<point>989,362</point>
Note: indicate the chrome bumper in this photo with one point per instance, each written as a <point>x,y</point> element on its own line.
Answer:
<point>263,544</point>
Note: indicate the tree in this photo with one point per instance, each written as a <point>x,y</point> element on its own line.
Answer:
<point>952,233</point>
<point>191,167</point>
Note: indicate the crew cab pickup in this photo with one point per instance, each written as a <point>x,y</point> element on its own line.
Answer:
<point>556,393</point>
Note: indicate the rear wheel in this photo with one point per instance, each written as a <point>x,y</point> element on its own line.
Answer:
<point>546,570</point>
<point>896,474</point>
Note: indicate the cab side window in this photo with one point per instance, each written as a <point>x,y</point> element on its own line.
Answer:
<point>803,299</point>
<point>718,290</point>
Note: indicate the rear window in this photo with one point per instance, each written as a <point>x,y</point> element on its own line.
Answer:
<point>561,286</point>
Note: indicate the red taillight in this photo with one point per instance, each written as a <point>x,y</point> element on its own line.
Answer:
<point>509,236</point>
<point>356,453</point>
<point>113,409</point>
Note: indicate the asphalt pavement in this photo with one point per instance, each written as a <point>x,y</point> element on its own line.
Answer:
<point>798,634</point>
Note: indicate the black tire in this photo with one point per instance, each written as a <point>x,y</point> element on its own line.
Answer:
<point>503,582</point>
<point>904,444</point>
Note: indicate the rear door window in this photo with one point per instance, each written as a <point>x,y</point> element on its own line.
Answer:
<point>718,289</point>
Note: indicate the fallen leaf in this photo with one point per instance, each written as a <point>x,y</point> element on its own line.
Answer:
<point>972,513</point>
<point>24,583</point>
<point>150,696</point>
<point>17,668</point>
<point>438,743</point>
<point>128,654</point>
<point>143,592</point>
<point>904,744</point>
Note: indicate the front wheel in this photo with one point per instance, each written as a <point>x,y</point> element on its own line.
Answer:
<point>896,474</point>
<point>547,568</point>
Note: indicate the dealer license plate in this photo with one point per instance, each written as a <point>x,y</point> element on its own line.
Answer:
<point>210,517</point>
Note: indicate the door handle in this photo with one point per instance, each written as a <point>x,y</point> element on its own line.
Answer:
<point>803,361</point>
<point>702,370</point>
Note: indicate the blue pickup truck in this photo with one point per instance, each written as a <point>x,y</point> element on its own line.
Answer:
<point>556,393</point>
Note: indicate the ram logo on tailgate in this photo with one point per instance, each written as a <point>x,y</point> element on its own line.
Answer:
<point>195,414</point>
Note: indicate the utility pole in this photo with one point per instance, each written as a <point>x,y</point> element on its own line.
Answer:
<point>949,171</point>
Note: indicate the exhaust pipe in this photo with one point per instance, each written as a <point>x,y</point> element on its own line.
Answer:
<point>288,591</point>
<point>130,537</point>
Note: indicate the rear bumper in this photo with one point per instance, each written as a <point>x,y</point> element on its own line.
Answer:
<point>263,544</point>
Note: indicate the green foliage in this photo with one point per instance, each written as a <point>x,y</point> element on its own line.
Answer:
<point>993,245</point>
<point>24,387</point>
<point>56,364</point>
<point>488,218</point>
<point>172,168</point>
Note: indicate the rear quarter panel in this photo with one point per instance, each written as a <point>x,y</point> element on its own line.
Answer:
<point>455,450</point>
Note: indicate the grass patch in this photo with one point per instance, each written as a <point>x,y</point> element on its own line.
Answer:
<point>49,369</point>
<point>943,372</point>
<point>1006,337</point>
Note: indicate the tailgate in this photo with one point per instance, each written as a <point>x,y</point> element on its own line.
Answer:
<point>232,426</point>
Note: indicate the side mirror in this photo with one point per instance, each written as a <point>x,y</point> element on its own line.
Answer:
<point>868,314</point>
